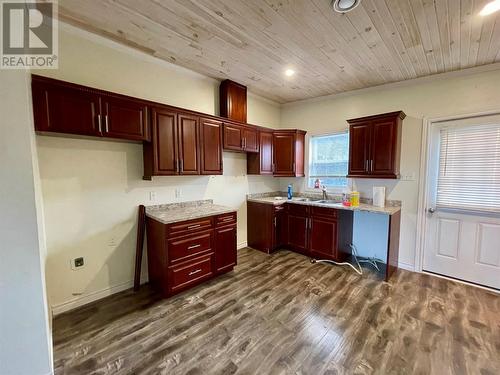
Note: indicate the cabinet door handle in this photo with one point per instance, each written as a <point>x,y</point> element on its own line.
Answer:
<point>177,167</point>
<point>99,123</point>
<point>106,122</point>
<point>293,167</point>
<point>366,165</point>
<point>371,165</point>
<point>274,222</point>
<point>194,272</point>
<point>194,226</point>
<point>193,246</point>
<point>181,168</point>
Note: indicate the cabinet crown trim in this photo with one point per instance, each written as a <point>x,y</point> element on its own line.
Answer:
<point>399,114</point>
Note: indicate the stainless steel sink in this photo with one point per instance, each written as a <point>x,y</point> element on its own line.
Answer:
<point>325,201</point>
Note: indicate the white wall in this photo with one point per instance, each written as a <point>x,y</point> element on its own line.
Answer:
<point>25,339</point>
<point>91,188</point>
<point>433,97</point>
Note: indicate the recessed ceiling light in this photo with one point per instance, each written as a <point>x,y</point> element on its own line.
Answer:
<point>344,6</point>
<point>490,8</point>
<point>289,72</point>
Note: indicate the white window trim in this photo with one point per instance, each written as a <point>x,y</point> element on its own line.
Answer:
<point>309,189</point>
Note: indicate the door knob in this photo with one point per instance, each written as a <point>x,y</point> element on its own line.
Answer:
<point>431,210</point>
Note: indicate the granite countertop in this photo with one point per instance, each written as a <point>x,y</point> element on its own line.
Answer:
<point>176,212</point>
<point>365,205</point>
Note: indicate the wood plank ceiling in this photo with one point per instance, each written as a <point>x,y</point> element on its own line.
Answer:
<point>253,42</point>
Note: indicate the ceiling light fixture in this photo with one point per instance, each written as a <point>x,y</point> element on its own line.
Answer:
<point>491,7</point>
<point>344,6</point>
<point>289,72</point>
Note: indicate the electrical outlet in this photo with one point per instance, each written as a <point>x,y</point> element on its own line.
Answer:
<point>152,196</point>
<point>178,192</point>
<point>410,176</point>
<point>77,263</point>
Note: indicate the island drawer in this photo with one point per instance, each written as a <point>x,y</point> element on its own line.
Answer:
<point>225,219</point>
<point>190,273</point>
<point>187,247</point>
<point>185,227</point>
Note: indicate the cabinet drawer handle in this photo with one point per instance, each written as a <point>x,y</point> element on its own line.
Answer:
<point>194,272</point>
<point>194,226</point>
<point>193,246</point>
<point>228,219</point>
<point>99,123</point>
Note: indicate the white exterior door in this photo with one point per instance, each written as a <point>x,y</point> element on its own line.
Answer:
<point>462,226</point>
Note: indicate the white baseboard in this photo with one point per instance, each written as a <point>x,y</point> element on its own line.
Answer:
<point>60,308</point>
<point>406,266</point>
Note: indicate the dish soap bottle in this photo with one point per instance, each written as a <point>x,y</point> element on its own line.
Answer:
<point>290,191</point>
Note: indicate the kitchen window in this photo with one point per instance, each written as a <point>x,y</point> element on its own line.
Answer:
<point>328,160</point>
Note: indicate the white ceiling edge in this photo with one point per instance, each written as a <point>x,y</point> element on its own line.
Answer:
<point>115,45</point>
<point>404,83</point>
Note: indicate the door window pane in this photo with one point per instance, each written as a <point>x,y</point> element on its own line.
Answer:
<point>469,168</point>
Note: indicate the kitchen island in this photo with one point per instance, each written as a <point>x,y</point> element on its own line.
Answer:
<point>189,243</point>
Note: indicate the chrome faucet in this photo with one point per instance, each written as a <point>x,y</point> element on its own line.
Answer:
<point>325,195</point>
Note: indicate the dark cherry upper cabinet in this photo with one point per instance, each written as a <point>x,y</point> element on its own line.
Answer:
<point>359,148</point>
<point>161,155</point>
<point>375,145</point>
<point>240,138</point>
<point>189,140</point>
<point>288,153</point>
<point>233,100</point>
<point>125,118</point>
<point>233,137</point>
<point>262,162</point>
<point>211,146</point>
<point>174,149</point>
<point>63,107</point>
<point>251,140</point>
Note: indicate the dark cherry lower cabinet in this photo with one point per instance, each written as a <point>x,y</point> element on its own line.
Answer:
<point>267,227</point>
<point>319,232</point>
<point>182,255</point>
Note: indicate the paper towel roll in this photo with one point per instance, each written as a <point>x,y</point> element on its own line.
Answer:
<point>379,196</point>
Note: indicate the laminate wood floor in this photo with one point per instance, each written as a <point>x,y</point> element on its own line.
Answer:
<point>280,314</point>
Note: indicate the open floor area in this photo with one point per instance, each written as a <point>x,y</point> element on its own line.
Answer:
<point>281,314</point>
